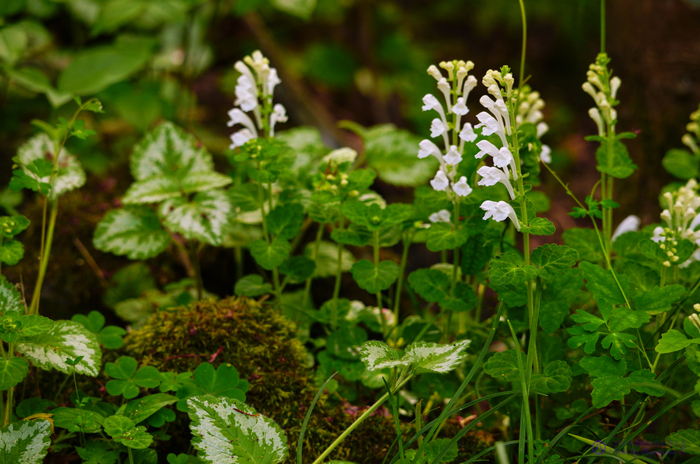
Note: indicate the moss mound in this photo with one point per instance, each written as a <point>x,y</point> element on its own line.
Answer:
<point>261,344</point>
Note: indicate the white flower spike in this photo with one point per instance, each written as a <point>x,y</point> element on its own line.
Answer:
<point>491,176</point>
<point>500,211</point>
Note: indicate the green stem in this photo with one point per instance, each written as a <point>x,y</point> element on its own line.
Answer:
<point>44,262</point>
<point>359,420</point>
<point>79,398</point>
<point>402,268</point>
<point>238,257</point>
<point>455,265</point>
<point>261,201</point>
<point>602,26</point>
<point>521,78</point>
<point>525,385</point>
<point>375,247</point>
<point>131,457</point>
<point>197,270</point>
<point>314,253</point>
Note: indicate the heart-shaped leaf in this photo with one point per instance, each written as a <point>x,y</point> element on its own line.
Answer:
<point>375,279</point>
<point>203,218</point>
<point>132,231</point>
<point>12,372</point>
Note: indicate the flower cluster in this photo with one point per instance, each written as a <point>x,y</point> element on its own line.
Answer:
<point>603,89</point>
<point>497,121</point>
<point>529,111</point>
<point>692,139</point>
<point>254,89</point>
<point>681,218</point>
<point>455,89</point>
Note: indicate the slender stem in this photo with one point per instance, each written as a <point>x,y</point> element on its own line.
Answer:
<point>375,246</point>
<point>43,264</point>
<point>525,385</point>
<point>602,26</point>
<point>399,285</point>
<point>131,457</point>
<point>197,271</point>
<point>7,416</point>
<point>238,257</point>
<point>314,253</point>
<point>455,265</point>
<point>521,78</point>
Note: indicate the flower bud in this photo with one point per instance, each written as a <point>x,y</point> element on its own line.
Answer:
<point>614,86</point>
<point>435,72</point>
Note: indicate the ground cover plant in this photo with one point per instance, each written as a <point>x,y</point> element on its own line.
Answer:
<point>334,343</point>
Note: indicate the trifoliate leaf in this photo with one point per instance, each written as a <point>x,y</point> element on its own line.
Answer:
<point>110,336</point>
<point>68,174</point>
<point>503,366</point>
<point>442,236</point>
<point>585,242</point>
<point>25,442</point>
<point>658,300</point>
<point>252,286</point>
<point>132,231</point>
<point>124,431</point>
<point>12,372</point>
<point>285,221</point>
<point>553,260</point>
<point>602,366</point>
<point>223,381</point>
<point>378,355</point>
<point>127,379</point>
<point>298,269</point>
<point>11,252</point>
<point>375,279</point>
<point>66,340</point>
<point>203,218</point>
<point>508,269</point>
<point>226,430</point>
<point>685,441</point>
<point>432,357</point>
<point>431,284</point>
<point>555,378</point>
<point>272,255</point>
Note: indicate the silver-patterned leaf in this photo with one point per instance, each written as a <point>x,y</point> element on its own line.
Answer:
<point>67,339</point>
<point>133,231</point>
<point>10,298</point>
<point>378,355</point>
<point>69,174</point>
<point>227,431</point>
<point>432,357</point>
<point>203,218</point>
<point>25,442</point>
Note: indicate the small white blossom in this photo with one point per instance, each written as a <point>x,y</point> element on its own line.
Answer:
<point>629,224</point>
<point>614,86</point>
<point>428,148</point>
<point>435,72</point>
<point>246,94</point>
<point>279,114</point>
<point>460,107</point>
<point>444,87</point>
<point>441,216</point>
<point>500,211</point>
<point>542,129</point>
<point>437,128</point>
<point>467,134</point>
<point>469,85</point>
<point>272,81</point>
<point>491,126</point>
<point>440,182</point>
<point>546,155</point>
<point>453,156</point>
<point>239,117</point>
<point>659,235</point>
<point>461,188</point>
<point>240,138</point>
<point>491,176</point>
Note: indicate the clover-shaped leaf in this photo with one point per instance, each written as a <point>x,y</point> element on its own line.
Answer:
<point>123,430</point>
<point>127,379</point>
<point>110,336</point>
<point>222,382</point>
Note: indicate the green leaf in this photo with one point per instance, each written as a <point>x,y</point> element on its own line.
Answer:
<point>127,379</point>
<point>124,431</point>
<point>602,284</point>
<point>111,336</point>
<point>227,430</point>
<point>673,340</point>
<point>97,68</point>
<point>542,226</point>
<point>345,342</point>
<point>66,340</point>
<point>12,372</point>
<point>579,336</point>
<point>464,298</point>
<point>435,447</point>
<point>507,269</point>
<point>141,409</point>
<point>607,389</point>
<point>585,242</point>
<point>129,282</point>
<point>285,221</point>
<point>620,166</point>
<point>133,231</point>
<point>680,163</point>
<point>475,254</point>
<point>555,378</point>
<point>375,279</point>
<point>11,252</point>
<point>603,366</point>
<point>378,355</point>
<point>442,236</point>
<point>350,237</point>
<point>553,260</point>
<point>685,441</point>
<point>298,268</point>
<point>25,442</point>
<point>10,298</point>
<point>503,365</point>
<point>77,420</point>
<point>252,286</point>
<point>272,255</point>
<point>203,218</point>
<point>658,300</point>
<point>327,259</point>
<point>618,343</point>
<point>624,318</point>
<point>97,452</point>
<point>431,284</point>
<point>222,382</point>
<point>68,176</point>
<point>433,357</point>
<point>11,226</point>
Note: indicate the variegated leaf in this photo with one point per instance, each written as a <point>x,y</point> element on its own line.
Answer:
<point>69,173</point>
<point>25,442</point>
<point>432,357</point>
<point>133,231</point>
<point>152,190</point>
<point>67,339</point>
<point>204,218</point>
<point>227,431</point>
<point>10,298</point>
<point>378,355</point>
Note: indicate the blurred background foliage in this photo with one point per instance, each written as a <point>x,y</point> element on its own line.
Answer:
<point>359,60</point>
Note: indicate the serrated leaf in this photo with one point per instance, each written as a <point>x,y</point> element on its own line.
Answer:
<point>327,259</point>
<point>618,343</point>
<point>378,355</point>
<point>132,231</point>
<point>375,279</point>
<point>432,357</point>
<point>620,165</point>
<point>463,298</point>
<point>77,420</point>
<point>298,268</point>
<point>141,409</point>
<point>345,342</point>
<point>555,378</point>
<point>285,221</point>
<point>223,381</point>
<point>579,336</point>
<point>10,298</point>
<point>67,339</point>
<point>602,284</point>
<point>475,254</point>
<point>25,442</point>
<point>542,226</point>
<point>202,218</point>
<point>442,236</point>
<point>507,269</point>
<point>503,366</point>
<point>11,252</point>
<point>431,284</point>
<point>97,452</point>
<point>252,286</point>
<point>272,255</point>
<point>553,260</point>
<point>12,372</point>
<point>602,366</point>
<point>124,431</point>
<point>685,441</point>
<point>658,300</point>
<point>227,431</point>
<point>68,175</point>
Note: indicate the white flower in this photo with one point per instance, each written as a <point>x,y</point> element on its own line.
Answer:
<point>659,235</point>
<point>501,157</point>
<point>500,211</point>
<point>245,71</point>
<point>461,188</point>
<point>239,117</point>
<point>546,155</point>
<point>491,126</point>
<point>246,93</point>
<point>435,72</point>
<point>440,181</point>
<point>491,176</point>
<point>469,85</point>
<point>444,87</point>
<point>272,81</point>
<point>279,114</point>
<point>467,134</point>
<point>595,115</point>
<point>437,128</point>
<point>542,129</point>
<point>453,156</point>
<point>241,137</point>
<point>428,148</point>
<point>614,86</point>
<point>441,216</point>
<point>460,108</point>
<point>629,224</point>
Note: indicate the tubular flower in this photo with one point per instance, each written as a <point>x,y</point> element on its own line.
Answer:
<point>455,89</point>
<point>629,224</point>
<point>530,112</point>
<point>602,87</point>
<point>491,176</point>
<point>441,216</point>
<point>681,218</point>
<point>254,89</point>
<point>500,211</point>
